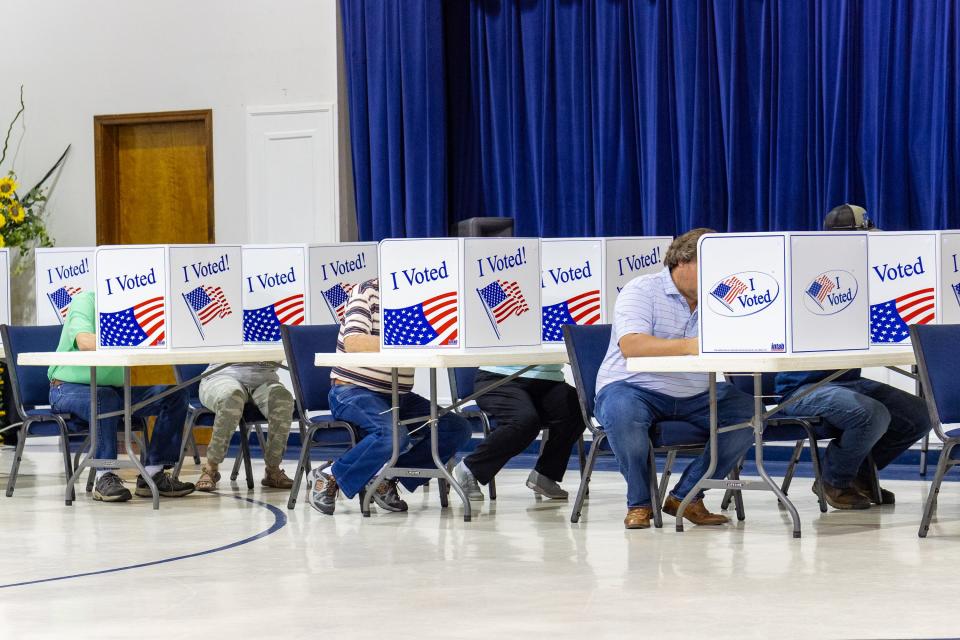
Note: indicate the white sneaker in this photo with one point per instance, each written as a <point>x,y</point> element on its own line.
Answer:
<point>544,486</point>
<point>464,477</point>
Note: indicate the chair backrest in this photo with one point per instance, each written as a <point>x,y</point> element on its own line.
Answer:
<point>462,381</point>
<point>586,347</point>
<point>768,383</point>
<point>311,384</point>
<point>30,385</point>
<point>936,348</point>
<point>186,372</point>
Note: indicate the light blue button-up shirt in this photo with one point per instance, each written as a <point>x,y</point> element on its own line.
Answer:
<point>651,305</point>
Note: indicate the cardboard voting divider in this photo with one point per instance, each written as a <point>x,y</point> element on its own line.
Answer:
<point>163,296</point>
<point>335,269</point>
<point>904,284</point>
<point>629,258</point>
<point>950,277</point>
<point>61,273</point>
<point>275,288</point>
<point>572,284</point>
<point>4,286</point>
<point>460,293</point>
<point>783,292</point>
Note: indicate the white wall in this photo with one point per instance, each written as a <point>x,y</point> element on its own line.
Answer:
<point>80,59</point>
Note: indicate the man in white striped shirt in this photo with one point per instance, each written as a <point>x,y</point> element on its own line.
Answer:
<point>656,315</point>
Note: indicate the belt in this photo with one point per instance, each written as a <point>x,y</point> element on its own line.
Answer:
<point>56,383</point>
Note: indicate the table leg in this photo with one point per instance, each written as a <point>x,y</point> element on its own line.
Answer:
<point>758,410</point>
<point>395,419</point>
<point>71,493</point>
<point>687,499</point>
<point>435,450</point>
<point>128,438</point>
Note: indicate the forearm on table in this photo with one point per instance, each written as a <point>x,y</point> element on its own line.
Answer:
<point>86,341</point>
<point>640,345</point>
<point>361,343</point>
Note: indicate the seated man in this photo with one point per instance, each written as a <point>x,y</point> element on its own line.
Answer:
<point>875,418</point>
<point>70,393</point>
<point>656,315</point>
<point>538,399</point>
<point>226,393</point>
<point>362,397</point>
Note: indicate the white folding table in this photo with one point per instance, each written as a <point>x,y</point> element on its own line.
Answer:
<point>125,359</point>
<point>756,365</point>
<point>434,359</point>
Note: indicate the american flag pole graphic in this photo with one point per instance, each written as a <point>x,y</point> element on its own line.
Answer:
<point>56,310</point>
<point>193,314</point>
<point>956,291</point>
<point>486,307</point>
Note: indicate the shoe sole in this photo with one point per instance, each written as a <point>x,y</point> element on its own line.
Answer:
<point>843,507</point>
<point>636,526</point>
<point>275,486</point>
<point>144,492</point>
<point>105,498</point>
<point>540,492</point>
<point>673,514</point>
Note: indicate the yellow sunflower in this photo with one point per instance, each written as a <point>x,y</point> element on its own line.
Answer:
<point>3,242</point>
<point>16,212</point>
<point>7,187</point>
<point>3,220</point>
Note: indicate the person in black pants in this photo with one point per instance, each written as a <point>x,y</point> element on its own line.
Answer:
<point>538,399</point>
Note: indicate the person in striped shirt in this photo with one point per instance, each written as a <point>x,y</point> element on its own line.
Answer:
<point>361,396</point>
<point>656,315</point>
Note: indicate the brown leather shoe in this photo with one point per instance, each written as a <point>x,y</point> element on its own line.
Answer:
<point>638,518</point>
<point>846,499</point>
<point>695,512</point>
<point>863,488</point>
<point>276,478</point>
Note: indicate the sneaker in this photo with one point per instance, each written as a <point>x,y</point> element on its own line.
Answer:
<point>110,489</point>
<point>167,486</point>
<point>276,478</point>
<point>544,486</point>
<point>387,497</point>
<point>464,477</point>
<point>323,492</point>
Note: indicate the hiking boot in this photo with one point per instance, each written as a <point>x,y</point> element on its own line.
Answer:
<point>276,478</point>
<point>387,497</point>
<point>167,486</point>
<point>696,512</point>
<point>544,486</point>
<point>323,492</point>
<point>110,489</point>
<point>846,499</point>
<point>469,484</point>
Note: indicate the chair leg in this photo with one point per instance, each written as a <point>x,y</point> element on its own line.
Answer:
<point>83,447</point>
<point>738,495</point>
<point>245,455</point>
<point>185,437</point>
<point>492,486</point>
<point>18,454</point>
<point>817,473</point>
<point>581,454</point>
<point>91,479</point>
<point>667,471</point>
<point>656,500</point>
<point>67,463</point>
<point>301,468</point>
<point>585,478</point>
<point>931,500</point>
<point>244,435</point>
<point>924,449</point>
<point>874,481</point>
<point>791,468</point>
<point>728,494</point>
<point>194,450</point>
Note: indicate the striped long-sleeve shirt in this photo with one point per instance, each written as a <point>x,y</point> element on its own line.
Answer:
<point>362,317</point>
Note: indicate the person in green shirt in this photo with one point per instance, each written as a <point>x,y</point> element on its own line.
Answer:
<point>70,393</point>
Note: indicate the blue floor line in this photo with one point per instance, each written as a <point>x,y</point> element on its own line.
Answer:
<point>280,520</point>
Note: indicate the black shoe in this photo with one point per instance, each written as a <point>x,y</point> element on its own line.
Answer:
<point>167,486</point>
<point>886,497</point>
<point>846,499</point>
<point>323,492</point>
<point>110,489</point>
<point>387,497</point>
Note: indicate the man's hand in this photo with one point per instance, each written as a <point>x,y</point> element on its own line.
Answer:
<point>641,345</point>
<point>360,343</point>
<point>87,341</point>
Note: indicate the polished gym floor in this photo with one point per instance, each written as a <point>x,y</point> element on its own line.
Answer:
<point>239,564</point>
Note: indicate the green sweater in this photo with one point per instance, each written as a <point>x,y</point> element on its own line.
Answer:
<point>82,319</point>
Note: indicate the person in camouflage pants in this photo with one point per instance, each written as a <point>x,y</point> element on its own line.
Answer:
<point>226,393</point>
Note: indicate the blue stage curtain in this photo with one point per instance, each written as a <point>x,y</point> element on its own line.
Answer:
<point>395,82</point>
<point>614,117</point>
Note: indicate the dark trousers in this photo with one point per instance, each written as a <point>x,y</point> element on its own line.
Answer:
<point>521,408</point>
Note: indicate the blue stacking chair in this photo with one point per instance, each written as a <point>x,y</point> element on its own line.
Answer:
<point>311,386</point>
<point>936,349</point>
<point>200,416</point>
<point>461,386</point>
<point>586,348</point>
<point>31,397</point>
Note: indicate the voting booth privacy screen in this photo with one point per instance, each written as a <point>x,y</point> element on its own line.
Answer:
<point>629,258</point>
<point>904,284</point>
<point>459,292</point>
<point>335,269</point>
<point>950,277</point>
<point>275,288</point>
<point>131,297</point>
<point>61,273</point>
<point>572,284</point>
<point>783,292</point>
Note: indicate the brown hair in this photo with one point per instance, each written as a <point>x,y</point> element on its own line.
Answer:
<point>684,248</point>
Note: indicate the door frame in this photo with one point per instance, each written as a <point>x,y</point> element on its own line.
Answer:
<point>106,148</point>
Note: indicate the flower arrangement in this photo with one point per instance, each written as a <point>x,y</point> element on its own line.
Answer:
<point>21,216</point>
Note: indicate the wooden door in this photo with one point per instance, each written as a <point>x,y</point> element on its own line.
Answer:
<point>154,186</point>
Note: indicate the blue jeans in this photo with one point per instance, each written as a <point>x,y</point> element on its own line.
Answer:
<point>171,412</point>
<point>628,412</point>
<point>370,412</point>
<point>874,418</point>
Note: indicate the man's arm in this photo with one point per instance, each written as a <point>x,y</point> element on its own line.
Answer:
<point>86,341</point>
<point>361,343</point>
<point>641,345</point>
